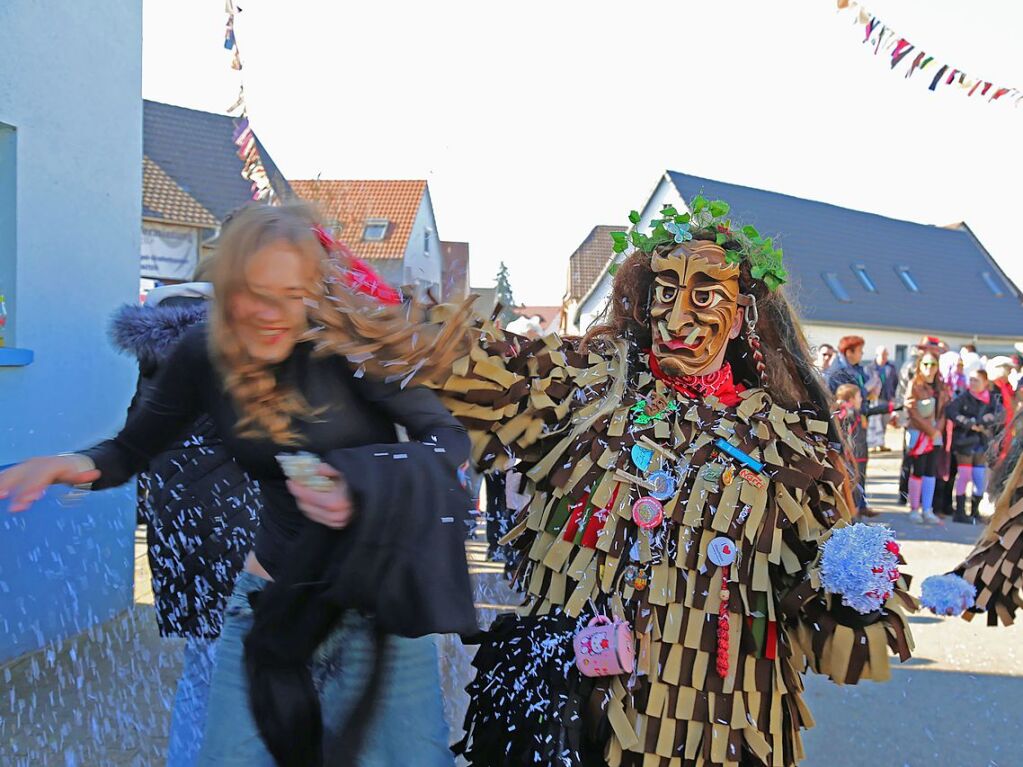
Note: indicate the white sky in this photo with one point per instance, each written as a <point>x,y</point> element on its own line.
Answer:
<point>535,121</point>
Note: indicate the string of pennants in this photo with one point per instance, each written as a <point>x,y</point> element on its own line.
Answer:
<point>253,169</point>
<point>881,37</point>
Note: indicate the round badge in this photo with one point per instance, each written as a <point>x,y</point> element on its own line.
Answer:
<point>642,456</point>
<point>647,512</point>
<point>630,573</point>
<point>721,551</point>
<point>664,485</point>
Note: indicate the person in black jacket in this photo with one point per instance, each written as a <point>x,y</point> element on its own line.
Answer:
<point>976,414</point>
<point>199,508</point>
<point>853,417</point>
<point>325,637</point>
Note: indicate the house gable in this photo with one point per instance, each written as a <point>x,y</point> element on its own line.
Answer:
<point>349,205</point>
<point>196,149</point>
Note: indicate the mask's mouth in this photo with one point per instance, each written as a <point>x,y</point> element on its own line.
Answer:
<point>674,343</point>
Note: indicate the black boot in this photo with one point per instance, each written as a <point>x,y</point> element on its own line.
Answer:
<point>960,513</point>
<point>975,508</point>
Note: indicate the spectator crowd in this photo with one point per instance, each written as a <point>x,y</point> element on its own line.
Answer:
<point>955,409</point>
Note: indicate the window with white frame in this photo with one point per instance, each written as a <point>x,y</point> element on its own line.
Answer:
<point>375,229</point>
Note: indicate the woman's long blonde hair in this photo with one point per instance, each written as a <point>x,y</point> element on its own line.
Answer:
<point>410,342</point>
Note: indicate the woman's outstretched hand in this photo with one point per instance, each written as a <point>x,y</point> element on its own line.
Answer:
<point>25,483</point>
<point>331,507</point>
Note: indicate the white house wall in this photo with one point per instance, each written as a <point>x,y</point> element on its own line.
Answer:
<point>423,259</point>
<point>817,334</point>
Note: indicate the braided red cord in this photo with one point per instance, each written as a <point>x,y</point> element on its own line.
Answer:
<point>722,653</point>
<point>758,357</point>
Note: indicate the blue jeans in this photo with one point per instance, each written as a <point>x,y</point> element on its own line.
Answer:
<point>407,726</point>
<point>188,720</point>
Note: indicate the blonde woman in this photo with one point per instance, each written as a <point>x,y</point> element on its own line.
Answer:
<point>269,390</point>
<point>925,406</point>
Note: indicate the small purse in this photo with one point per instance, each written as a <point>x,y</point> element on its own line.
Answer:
<point>604,648</point>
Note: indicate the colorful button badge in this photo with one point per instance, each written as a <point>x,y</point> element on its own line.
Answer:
<point>641,457</point>
<point>647,513</point>
<point>664,485</point>
<point>721,551</point>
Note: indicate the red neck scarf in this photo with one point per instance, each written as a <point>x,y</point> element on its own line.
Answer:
<point>984,396</point>
<point>718,384</point>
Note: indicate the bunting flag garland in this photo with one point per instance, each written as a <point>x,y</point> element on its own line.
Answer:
<point>253,169</point>
<point>880,37</point>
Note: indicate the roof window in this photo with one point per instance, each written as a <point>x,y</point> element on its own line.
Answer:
<point>375,229</point>
<point>907,279</point>
<point>994,284</point>
<point>836,286</point>
<point>860,270</point>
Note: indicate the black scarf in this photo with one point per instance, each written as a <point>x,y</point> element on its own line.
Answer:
<point>402,559</point>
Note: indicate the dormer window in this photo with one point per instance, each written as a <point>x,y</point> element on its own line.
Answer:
<point>993,284</point>
<point>375,229</point>
<point>860,270</point>
<point>837,288</point>
<point>907,279</point>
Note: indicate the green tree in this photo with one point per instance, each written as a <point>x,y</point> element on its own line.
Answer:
<point>503,295</point>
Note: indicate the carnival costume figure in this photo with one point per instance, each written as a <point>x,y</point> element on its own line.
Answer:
<point>686,484</point>
<point>990,579</point>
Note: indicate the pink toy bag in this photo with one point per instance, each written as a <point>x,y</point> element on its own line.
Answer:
<point>605,648</point>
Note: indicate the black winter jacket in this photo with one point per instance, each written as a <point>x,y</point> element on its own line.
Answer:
<point>199,507</point>
<point>967,412</point>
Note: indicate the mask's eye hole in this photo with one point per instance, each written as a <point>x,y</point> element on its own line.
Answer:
<point>666,293</point>
<point>706,299</point>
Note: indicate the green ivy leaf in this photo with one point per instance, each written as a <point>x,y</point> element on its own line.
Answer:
<point>750,231</point>
<point>685,218</point>
<point>733,256</point>
<point>619,247</point>
<point>721,239</point>
<point>719,208</point>
<point>613,269</point>
<point>668,211</point>
<point>699,203</point>
<point>634,217</point>
<point>758,271</point>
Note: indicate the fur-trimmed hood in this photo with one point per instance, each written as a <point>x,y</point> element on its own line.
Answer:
<point>149,333</point>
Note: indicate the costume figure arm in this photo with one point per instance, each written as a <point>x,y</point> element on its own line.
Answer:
<point>522,399</point>
<point>833,639</point>
<point>995,566</point>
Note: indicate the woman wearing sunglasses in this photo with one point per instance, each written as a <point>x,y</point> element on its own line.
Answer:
<point>925,407</point>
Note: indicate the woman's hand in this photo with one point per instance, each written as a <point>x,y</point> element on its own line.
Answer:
<point>333,507</point>
<point>25,483</point>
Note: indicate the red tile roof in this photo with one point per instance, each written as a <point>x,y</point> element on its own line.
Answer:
<point>351,203</point>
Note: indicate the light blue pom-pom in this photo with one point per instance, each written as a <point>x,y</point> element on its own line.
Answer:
<point>861,563</point>
<point>947,594</point>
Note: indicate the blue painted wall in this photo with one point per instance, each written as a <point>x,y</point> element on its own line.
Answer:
<point>71,91</point>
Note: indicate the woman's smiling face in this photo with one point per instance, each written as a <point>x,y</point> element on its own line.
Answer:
<point>270,315</point>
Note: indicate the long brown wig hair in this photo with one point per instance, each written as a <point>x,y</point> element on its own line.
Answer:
<point>409,342</point>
